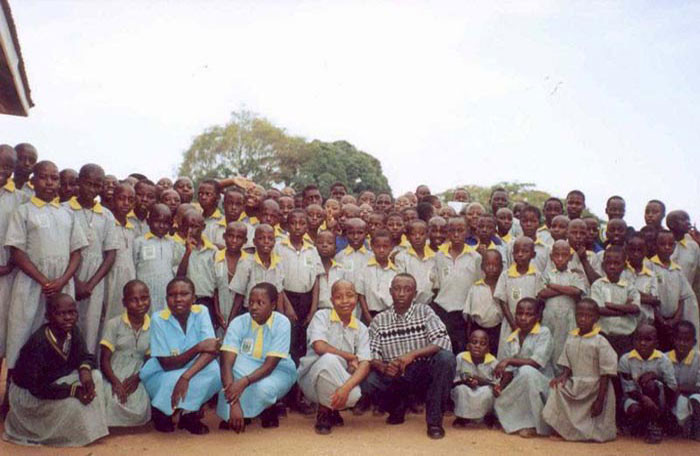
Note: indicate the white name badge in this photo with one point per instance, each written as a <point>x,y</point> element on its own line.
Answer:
<point>247,346</point>
<point>149,252</point>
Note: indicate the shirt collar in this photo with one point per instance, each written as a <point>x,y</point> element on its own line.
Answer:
<point>165,313</point>
<point>620,282</point>
<point>688,360</point>
<point>41,203</point>
<point>221,255</point>
<point>683,242</point>
<point>535,330</point>
<point>304,244</point>
<point>427,252</point>
<point>75,205</point>
<point>10,186</point>
<point>445,248</point>
<point>146,321</point>
<point>594,332</point>
<point>274,259</point>
<point>655,354</point>
<point>656,260</point>
<point>215,215</point>
<point>128,225</point>
<point>149,235</point>
<point>336,318</point>
<point>373,262</point>
<point>254,324</point>
<point>645,270</point>
<point>513,270</point>
<point>542,228</point>
<point>349,250</point>
<point>507,238</point>
<point>489,358</point>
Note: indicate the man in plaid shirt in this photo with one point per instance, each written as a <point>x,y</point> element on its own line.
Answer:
<point>411,354</point>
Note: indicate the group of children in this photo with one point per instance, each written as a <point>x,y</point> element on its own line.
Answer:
<point>126,301</point>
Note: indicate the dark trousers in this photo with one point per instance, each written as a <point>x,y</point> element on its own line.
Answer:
<point>493,333</point>
<point>431,378</point>
<point>208,302</point>
<point>456,327</point>
<point>301,303</point>
<point>621,344</point>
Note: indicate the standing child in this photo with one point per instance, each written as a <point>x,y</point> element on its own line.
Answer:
<point>316,221</point>
<point>481,310</point>
<point>45,246</point>
<point>226,263</point>
<point>654,213</point>
<point>647,376</point>
<point>437,233</point>
<point>397,229</point>
<point>69,184</point>
<point>255,367</point>
<point>374,280</point>
<point>486,234</point>
<point>234,202</point>
<point>286,205</point>
<point>125,345</point>
<point>419,261</point>
<point>26,160</point>
<point>559,228</point>
<point>553,207</point>
<point>583,260</point>
<point>123,269</point>
<point>575,204</point>
<point>145,198</point>
<point>98,257</point>
<point>615,210</point>
<point>332,270</point>
<point>106,195</point>
<point>562,289</point>
<point>504,222</point>
<point>355,256</point>
<point>208,196</point>
<point>530,221</point>
<point>687,251</point>
<point>377,221</point>
<point>472,390</point>
<point>639,271</point>
<point>686,365</point>
<point>581,404</point>
<point>523,373</point>
<point>592,241</point>
<point>171,198</point>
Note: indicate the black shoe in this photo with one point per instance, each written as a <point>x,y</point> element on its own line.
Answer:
<point>460,423</point>
<point>397,416</point>
<point>336,419</point>
<point>362,406</point>
<point>323,423</point>
<point>436,432</point>
<point>190,421</point>
<point>161,421</point>
<point>269,419</point>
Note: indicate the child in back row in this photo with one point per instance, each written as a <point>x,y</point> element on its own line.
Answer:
<point>529,222</point>
<point>419,261</point>
<point>234,203</point>
<point>552,208</point>
<point>145,198</point>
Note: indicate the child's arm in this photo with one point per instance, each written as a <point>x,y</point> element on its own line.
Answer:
<point>566,290</point>
<point>649,300</point>
<point>183,383</point>
<point>548,292</point>
<point>623,309</point>
<point>599,403</point>
<point>4,270</point>
<point>106,368</point>
<point>57,285</point>
<point>322,347</point>
<point>21,259</point>
<point>340,398</point>
<point>87,287</point>
<point>285,306</point>
<point>506,313</point>
<point>237,306</point>
<point>314,303</point>
<point>560,379</point>
<point>218,316</point>
<point>185,261</point>
<point>366,316</point>
<point>588,268</point>
<point>206,346</point>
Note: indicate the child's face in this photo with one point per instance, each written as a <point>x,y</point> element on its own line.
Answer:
<point>46,182</point>
<point>683,342</point>
<point>383,203</point>
<point>636,250</point>
<point>184,188</point>
<point>504,220</point>
<point>260,306</point>
<point>286,205</point>
<point>616,231</point>
<point>578,231</point>
<point>523,252</point>
<point>273,194</point>
<point>367,198</point>
<point>235,237</point>
<point>437,232</point>
<point>207,196</point>
<point>69,185</point>
<point>365,212</point>
<point>409,215</point>
<point>90,185</point>
<point>473,214</point>
<point>108,185</point>
<point>665,245</point>
<point>145,197</point>
<point>485,230</point>
<point>478,344</point>
<point>254,196</point>
<point>586,316</point>
<point>233,206</point>
<point>561,254</point>
<point>7,165</point>
<point>575,205</point>
<point>315,216</point>
<point>193,224</point>
<point>123,201</point>
<point>270,214</point>
<point>356,235</point>
<point>348,212</point>
<point>159,221</point>
<point>332,210</point>
<point>402,202</point>
<point>558,228</point>
<point>381,246</point>
<point>645,341</point>
<point>551,210</point>
<point>180,298</point>
<point>64,315</point>
<point>615,209</point>
<point>325,244</point>
<point>137,299</point>
<point>170,198</point>
<point>529,222</point>
<point>498,200</point>
<point>338,192</point>
<point>264,240</point>
<point>297,225</point>
<point>26,159</point>
<point>592,233</point>
<point>650,241</point>
<point>417,235</point>
<point>164,183</point>
<point>447,212</point>
<point>376,221</point>
<point>679,223</point>
<point>526,315</point>
<point>613,264</point>
<point>312,196</point>
<point>456,231</point>
<point>653,214</point>
<point>344,299</point>
<point>395,226</point>
<point>491,265</point>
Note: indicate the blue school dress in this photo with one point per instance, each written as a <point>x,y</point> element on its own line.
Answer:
<point>168,339</point>
<point>252,343</point>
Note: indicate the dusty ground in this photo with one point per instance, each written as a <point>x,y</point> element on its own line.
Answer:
<point>366,434</point>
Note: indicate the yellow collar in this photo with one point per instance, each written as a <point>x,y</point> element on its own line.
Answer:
<point>348,250</point>
<point>41,203</point>
<point>513,270</point>
<point>274,259</point>
<point>128,224</point>
<point>308,239</point>
<point>620,282</point>
<point>10,186</point>
<point>150,235</point>
<point>165,313</point>
<point>655,354</point>
<point>542,228</point>
<point>488,358</point>
<point>146,321</point>
<point>221,255</point>
<point>683,242</point>
<point>254,324</point>
<point>427,252</point>
<point>206,243</point>
<point>688,358</point>
<point>75,205</point>
<point>535,330</point>
<point>645,270</point>
<point>594,332</point>
<point>480,282</point>
<point>373,262</point>
<point>336,318</point>
<point>507,238</point>
<point>656,260</point>
<point>215,215</point>
<point>131,214</point>
<point>445,248</point>
<point>404,241</point>
<point>304,245</point>
<point>177,238</point>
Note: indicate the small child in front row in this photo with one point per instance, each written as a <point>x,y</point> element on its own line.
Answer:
<point>686,365</point>
<point>581,403</point>
<point>375,278</point>
<point>419,261</point>
<point>472,390</point>
<point>256,369</point>
<point>524,373</point>
<point>649,385</point>
<point>125,345</point>
<point>480,310</point>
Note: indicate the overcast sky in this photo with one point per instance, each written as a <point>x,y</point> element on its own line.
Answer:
<point>600,96</point>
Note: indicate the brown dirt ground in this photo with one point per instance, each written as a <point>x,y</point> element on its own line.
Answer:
<point>367,434</point>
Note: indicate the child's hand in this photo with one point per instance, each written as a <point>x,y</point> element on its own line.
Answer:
<point>234,390</point>
<point>179,392</point>
<point>220,320</point>
<point>496,390</point>
<point>558,381</point>
<point>646,377</point>
<point>82,290</point>
<point>340,398</point>
<point>209,346</point>
<point>131,383</point>
<point>472,382</point>
<point>52,287</point>
<point>500,369</point>
<point>85,377</point>
<point>597,407</point>
<point>83,395</point>
<point>393,369</point>
<point>649,403</point>
<point>119,390</point>
<point>236,421</point>
<point>292,315</point>
<point>353,365</point>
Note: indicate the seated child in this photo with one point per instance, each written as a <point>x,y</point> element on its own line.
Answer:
<point>686,365</point>
<point>648,383</point>
<point>183,372</point>
<point>437,232</point>
<point>125,345</point>
<point>226,263</point>
<point>256,369</point>
<point>374,280</point>
<point>472,390</point>
<point>553,207</point>
<point>562,289</point>
<point>419,261</point>
<point>523,373</point>
<point>581,403</point>
<point>54,368</point>
<point>481,310</point>
<point>337,358</point>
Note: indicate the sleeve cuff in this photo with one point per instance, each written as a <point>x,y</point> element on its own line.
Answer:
<point>277,354</point>
<point>229,348</point>
<point>85,366</point>
<point>107,344</point>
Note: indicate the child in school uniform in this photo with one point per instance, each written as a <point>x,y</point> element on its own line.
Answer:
<point>154,256</point>
<point>53,370</point>
<point>234,203</point>
<point>97,222</point>
<point>376,221</point>
<point>559,228</point>
<point>316,217</point>
<point>472,390</point>
<point>575,204</point>
<point>145,198</point>
<point>397,228</point>
<point>125,345</point>
<point>337,358</point>
<point>582,259</point>
<point>355,256</point>
<point>520,280</point>
<point>185,188</point>
<point>106,195</point>
<point>592,242</point>
<point>687,251</point>
<point>256,369</point>
<point>286,205</point>
<point>270,214</point>
<point>123,269</point>
<point>437,233</point>
<point>649,385</point>
<point>44,244</point>
<point>480,310</point>
<point>226,263</point>
<point>332,270</point>
<point>171,198</point>
<point>529,222</point>
<point>553,207</point>
<point>640,271</point>
<point>562,288</point>
<point>183,371</point>
<point>27,157</point>
<point>68,184</point>
<point>581,403</point>
<point>487,237</point>
<point>618,300</point>
<point>208,197</point>
<point>374,280</point>
<point>457,267</point>
<point>504,221</point>
<point>419,261</point>
<point>262,266</point>
<point>615,210</point>
<point>686,365</point>
<point>523,373</point>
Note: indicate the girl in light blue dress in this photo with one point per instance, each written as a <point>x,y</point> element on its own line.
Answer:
<point>255,366</point>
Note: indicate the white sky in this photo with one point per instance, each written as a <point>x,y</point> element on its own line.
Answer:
<point>600,96</point>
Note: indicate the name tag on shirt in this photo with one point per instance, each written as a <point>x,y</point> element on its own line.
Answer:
<point>308,261</point>
<point>247,346</point>
<point>43,221</point>
<point>149,252</point>
<point>515,294</point>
